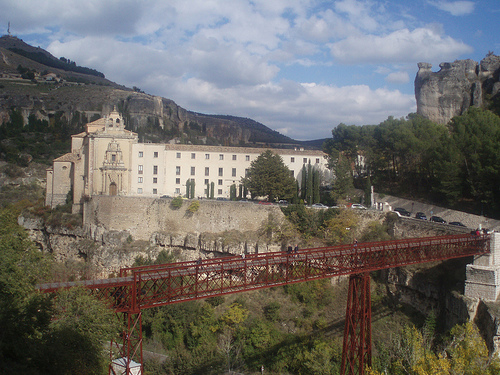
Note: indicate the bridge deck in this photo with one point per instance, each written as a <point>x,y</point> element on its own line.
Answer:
<point>148,286</point>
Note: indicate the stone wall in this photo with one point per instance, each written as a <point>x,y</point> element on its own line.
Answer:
<point>145,217</point>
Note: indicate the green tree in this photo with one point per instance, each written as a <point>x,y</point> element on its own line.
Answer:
<point>477,135</point>
<point>41,334</point>
<point>309,186</point>
<point>315,185</point>
<point>303,183</point>
<point>80,325</point>
<point>343,183</point>
<point>232,192</point>
<point>269,176</point>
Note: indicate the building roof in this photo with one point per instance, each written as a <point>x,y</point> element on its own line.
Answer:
<point>243,150</point>
<point>69,157</point>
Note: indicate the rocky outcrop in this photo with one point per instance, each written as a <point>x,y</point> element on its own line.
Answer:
<point>76,99</point>
<point>455,87</point>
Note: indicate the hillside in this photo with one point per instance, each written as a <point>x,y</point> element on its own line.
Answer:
<point>37,83</point>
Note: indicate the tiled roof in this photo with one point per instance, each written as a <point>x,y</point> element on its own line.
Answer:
<point>69,157</point>
<point>242,150</point>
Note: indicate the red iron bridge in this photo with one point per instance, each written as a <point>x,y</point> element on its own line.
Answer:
<point>140,288</point>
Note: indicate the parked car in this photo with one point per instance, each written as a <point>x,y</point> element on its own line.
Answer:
<point>319,205</point>
<point>283,201</point>
<point>456,223</point>
<point>358,206</point>
<point>421,216</point>
<point>437,219</point>
<point>265,203</point>
<point>402,211</point>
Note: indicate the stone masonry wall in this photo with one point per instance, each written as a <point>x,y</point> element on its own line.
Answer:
<point>143,217</point>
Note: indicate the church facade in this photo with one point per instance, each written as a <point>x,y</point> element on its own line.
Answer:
<point>107,159</point>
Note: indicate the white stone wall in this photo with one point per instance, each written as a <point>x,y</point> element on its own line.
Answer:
<point>224,166</point>
<point>483,276</point>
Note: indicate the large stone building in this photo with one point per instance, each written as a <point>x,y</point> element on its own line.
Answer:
<point>106,159</point>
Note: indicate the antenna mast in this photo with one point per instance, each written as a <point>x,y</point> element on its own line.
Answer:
<point>8,29</point>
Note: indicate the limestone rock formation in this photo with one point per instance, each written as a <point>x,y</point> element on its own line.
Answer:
<point>455,87</point>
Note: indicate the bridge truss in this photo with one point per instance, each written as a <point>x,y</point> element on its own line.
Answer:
<point>145,287</point>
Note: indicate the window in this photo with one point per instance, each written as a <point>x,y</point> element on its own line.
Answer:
<point>221,171</point>
<point>247,157</point>
<point>155,169</point>
<point>155,154</point>
<point>292,160</point>
<point>233,172</point>
<point>178,155</point>
<point>193,155</point>
<point>139,180</point>
<point>207,156</point>
<point>219,192</point>
<point>206,181</point>
<point>139,191</point>
<point>113,158</point>
<point>207,171</point>
<point>219,182</point>
<point>177,190</point>
<point>140,169</point>
<point>141,154</point>
<point>317,160</point>
<point>177,181</point>
<point>234,157</point>
<point>177,170</point>
<point>155,191</point>
<point>304,160</point>
<point>221,156</point>
<point>193,171</point>
<point>155,180</point>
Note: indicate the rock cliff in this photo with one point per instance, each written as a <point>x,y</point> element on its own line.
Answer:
<point>75,98</point>
<point>455,87</point>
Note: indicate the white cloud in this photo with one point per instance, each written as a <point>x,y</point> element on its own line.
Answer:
<point>304,111</point>
<point>422,44</point>
<point>359,13</point>
<point>398,77</point>
<point>251,58</point>
<point>455,8</point>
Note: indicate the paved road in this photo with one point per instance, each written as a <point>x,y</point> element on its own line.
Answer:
<point>470,220</point>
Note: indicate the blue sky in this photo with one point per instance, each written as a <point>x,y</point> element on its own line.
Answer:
<point>300,67</point>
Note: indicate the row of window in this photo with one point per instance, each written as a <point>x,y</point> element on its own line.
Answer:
<point>193,170</point>
<point>141,154</point>
<point>140,169</point>
<point>177,191</point>
<point>207,156</point>
<point>207,171</point>
<point>140,180</point>
<point>221,157</point>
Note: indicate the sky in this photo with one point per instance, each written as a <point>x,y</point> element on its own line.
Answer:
<point>300,67</point>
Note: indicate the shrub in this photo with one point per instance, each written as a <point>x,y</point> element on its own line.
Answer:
<point>176,203</point>
<point>194,206</point>
<point>272,311</point>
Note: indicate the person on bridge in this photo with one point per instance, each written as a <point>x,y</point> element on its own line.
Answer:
<point>290,249</point>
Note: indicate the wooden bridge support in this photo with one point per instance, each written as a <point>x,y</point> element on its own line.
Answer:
<point>357,348</point>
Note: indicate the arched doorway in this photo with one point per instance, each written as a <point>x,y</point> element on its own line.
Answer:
<point>113,189</point>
